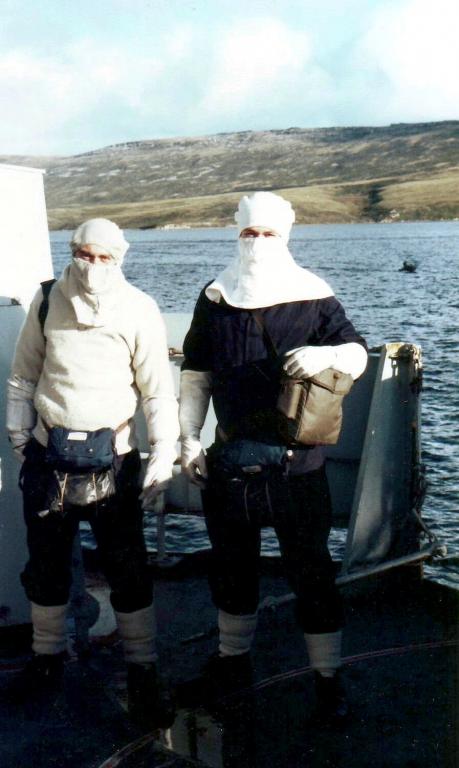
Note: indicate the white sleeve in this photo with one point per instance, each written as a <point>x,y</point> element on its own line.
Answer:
<point>195,393</point>
<point>30,346</point>
<point>20,411</point>
<point>153,377</point>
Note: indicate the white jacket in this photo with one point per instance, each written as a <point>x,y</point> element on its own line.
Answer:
<point>88,377</point>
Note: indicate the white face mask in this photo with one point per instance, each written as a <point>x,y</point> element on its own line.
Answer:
<point>95,278</point>
<point>263,273</point>
<point>258,250</point>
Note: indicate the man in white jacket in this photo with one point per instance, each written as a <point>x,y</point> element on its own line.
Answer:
<point>227,357</point>
<point>78,373</point>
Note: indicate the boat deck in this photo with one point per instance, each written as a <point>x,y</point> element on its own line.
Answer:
<point>400,650</point>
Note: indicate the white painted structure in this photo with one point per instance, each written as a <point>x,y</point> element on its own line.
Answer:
<point>25,260</point>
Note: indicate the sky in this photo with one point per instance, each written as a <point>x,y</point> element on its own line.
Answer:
<point>77,75</point>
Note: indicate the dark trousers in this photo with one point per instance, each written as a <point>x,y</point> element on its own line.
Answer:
<point>299,509</point>
<point>115,521</point>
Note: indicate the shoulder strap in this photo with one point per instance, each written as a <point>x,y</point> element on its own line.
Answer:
<point>46,286</point>
<point>271,347</point>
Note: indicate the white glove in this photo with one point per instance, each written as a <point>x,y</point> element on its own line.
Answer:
<point>195,392</point>
<point>158,473</point>
<point>163,432</point>
<point>194,461</point>
<point>21,415</point>
<point>307,361</point>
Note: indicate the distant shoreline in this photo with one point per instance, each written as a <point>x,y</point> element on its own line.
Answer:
<point>182,227</point>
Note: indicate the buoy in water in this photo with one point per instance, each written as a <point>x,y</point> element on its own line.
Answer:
<point>408,266</point>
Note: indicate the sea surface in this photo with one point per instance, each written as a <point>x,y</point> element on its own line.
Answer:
<point>362,263</point>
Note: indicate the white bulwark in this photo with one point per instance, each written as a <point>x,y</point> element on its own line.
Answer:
<point>25,261</point>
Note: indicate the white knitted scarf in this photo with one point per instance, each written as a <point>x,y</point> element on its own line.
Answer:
<point>264,273</point>
<point>92,309</point>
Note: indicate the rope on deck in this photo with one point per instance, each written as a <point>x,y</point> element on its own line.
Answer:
<point>396,651</point>
<point>117,758</point>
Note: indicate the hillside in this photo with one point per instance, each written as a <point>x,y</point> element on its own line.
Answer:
<point>405,171</point>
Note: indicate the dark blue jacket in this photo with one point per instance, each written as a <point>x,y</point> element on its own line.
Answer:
<point>228,342</point>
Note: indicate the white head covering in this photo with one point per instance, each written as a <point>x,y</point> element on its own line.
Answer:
<point>263,273</point>
<point>104,234</point>
<point>265,209</point>
<point>94,289</point>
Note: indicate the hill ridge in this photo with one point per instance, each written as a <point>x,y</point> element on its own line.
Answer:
<point>349,173</point>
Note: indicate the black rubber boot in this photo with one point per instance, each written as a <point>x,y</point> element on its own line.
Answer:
<point>149,706</point>
<point>220,677</point>
<point>331,702</point>
<point>41,676</point>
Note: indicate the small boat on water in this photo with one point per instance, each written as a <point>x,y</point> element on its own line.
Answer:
<point>402,631</point>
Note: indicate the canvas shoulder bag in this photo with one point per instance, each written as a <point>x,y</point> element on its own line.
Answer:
<point>309,409</point>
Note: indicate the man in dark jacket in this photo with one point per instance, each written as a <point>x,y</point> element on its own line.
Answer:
<point>227,357</point>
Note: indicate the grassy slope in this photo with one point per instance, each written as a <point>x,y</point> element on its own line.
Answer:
<point>407,171</point>
<point>312,204</point>
<point>435,198</point>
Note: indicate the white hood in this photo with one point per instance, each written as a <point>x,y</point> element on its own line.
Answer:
<point>264,273</point>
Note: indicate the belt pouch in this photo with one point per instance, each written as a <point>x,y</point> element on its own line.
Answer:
<point>242,457</point>
<point>73,450</point>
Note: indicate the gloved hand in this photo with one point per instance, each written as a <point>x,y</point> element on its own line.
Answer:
<point>307,361</point>
<point>158,473</point>
<point>195,392</point>
<point>19,441</point>
<point>349,357</point>
<point>163,431</point>
<point>194,461</point>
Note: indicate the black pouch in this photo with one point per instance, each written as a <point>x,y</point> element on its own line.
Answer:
<point>238,458</point>
<point>71,450</point>
<point>240,490</point>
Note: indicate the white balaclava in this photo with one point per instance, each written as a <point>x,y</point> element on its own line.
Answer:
<point>94,289</point>
<point>104,234</point>
<point>263,273</point>
<point>265,209</point>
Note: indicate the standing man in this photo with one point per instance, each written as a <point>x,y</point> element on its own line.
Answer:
<point>227,358</point>
<point>83,364</point>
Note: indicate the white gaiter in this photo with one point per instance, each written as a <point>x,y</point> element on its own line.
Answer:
<point>137,631</point>
<point>324,651</point>
<point>49,630</point>
<point>235,633</point>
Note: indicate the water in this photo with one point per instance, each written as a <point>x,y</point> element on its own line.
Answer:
<point>361,262</point>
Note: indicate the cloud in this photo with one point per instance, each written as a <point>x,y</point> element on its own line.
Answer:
<point>56,101</point>
<point>255,60</point>
<point>394,62</point>
<point>188,80</point>
<point>409,58</point>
